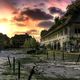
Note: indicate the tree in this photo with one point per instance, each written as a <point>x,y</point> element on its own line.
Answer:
<point>4,41</point>
<point>27,43</point>
<point>18,40</point>
<point>43,32</point>
<point>31,43</point>
<point>74,8</point>
<point>58,21</point>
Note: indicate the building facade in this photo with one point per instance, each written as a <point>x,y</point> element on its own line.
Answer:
<point>65,36</point>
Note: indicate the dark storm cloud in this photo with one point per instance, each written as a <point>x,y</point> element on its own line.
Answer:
<point>20,18</point>
<point>39,5</point>
<point>12,2</point>
<point>54,10</point>
<point>15,12</point>
<point>38,1</point>
<point>18,2</point>
<point>37,14</point>
<point>59,0</point>
<point>45,24</point>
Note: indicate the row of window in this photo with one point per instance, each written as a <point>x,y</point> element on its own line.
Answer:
<point>77,30</point>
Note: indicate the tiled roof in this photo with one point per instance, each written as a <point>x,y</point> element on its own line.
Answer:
<point>58,27</point>
<point>69,20</point>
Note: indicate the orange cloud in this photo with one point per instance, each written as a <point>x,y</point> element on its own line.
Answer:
<point>21,24</point>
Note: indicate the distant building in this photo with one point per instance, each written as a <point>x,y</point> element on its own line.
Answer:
<point>66,36</point>
<point>18,40</point>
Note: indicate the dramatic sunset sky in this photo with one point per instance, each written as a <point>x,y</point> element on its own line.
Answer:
<point>29,16</point>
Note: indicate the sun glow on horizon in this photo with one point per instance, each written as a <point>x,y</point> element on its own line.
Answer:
<point>3,28</point>
<point>6,28</point>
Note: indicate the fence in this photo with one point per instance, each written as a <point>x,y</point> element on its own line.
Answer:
<point>63,56</point>
<point>13,68</point>
<point>56,56</point>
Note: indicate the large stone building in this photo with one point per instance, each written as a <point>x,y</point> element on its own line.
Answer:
<point>65,36</point>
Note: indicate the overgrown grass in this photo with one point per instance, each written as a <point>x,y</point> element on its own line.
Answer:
<point>50,78</point>
<point>34,58</point>
<point>67,56</point>
<point>27,60</point>
<point>9,72</point>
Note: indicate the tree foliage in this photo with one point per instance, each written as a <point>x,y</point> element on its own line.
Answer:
<point>31,43</point>
<point>74,8</point>
<point>18,40</point>
<point>58,21</point>
<point>4,41</point>
<point>43,32</point>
